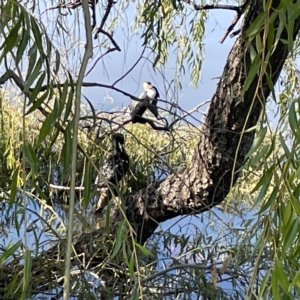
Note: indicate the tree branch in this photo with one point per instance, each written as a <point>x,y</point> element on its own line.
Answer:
<point>234,21</point>
<point>239,9</point>
<point>110,4</point>
<point>111,39</point>
<point>212,6</point>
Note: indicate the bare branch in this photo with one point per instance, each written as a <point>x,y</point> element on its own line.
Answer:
<point>111,39</point>
<point>107,12</point>
<point>212,6</point>
<point>10,74</point>
<point>234,21</point>
<point>239,9</point>
<point>100,57</point>
<point>69,5</point>
<point>123,76</point>
<point>189,113</point>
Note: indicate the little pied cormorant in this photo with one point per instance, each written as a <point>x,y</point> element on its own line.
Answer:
<point>148,101</point>
<point>112,170</point>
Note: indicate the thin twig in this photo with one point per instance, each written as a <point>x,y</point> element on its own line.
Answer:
<point>69,5</point>
<point>116,47</point>
<point>189,113</point>
<point>100,57</point>
<point>182,266</point>
<point>134,65</point>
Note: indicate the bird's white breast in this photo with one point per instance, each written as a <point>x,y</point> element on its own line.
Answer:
<point>151,93</point>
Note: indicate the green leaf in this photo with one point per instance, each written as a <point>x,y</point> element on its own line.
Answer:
<point>285,148</point>
<point>270,84</point>
<point>281,276</point>
<point>131,265</point>
<point>257,141</point>
<point>156,61</point>
<point>39,191</point>
<point>38,102</point>
<point>61,98</point>
<point>57,62</point>
<point>275,286</point>
<point>36,90</point>
<point>13,36</point>
<point>46,129</point>
<point>280,28</point>
<point>296,205</point>
<point>255,65</point>
<point>289,235</point>
<point>256,25</point>
<point>119,239</point>
<point>144,250</point>
<point>264,183</point>
<point>32,54</point>
<point>32,76</point>
<point>70,98</point>
<point>9,251</point>
<point>258,243</point>
<point>290,31</point>
<point>87,183</point>
<point>30,156</point>
<point>295,281</point>
<point>32,227</point>
<point>271,35</point>
<point>259,155</point>
<point>66,151</point>
<point>271,200</point>
<point>22,46</point>
<point>92,110</point>
<point>293,119</point>
<point>37,34</point>
<point>27,271</point>
<point>259,45</point>
<point>263,283</point>
<point>13,188</point>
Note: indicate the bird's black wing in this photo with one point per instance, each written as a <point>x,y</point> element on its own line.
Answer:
<point>153,108</point>
<point>113,169</point>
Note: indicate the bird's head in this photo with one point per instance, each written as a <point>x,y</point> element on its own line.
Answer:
<point>119,137</point>
<point>151,90</point>
<point>119,142</point>
<point>147,85</point>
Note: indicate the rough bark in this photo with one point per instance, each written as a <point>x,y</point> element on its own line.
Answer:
<point>221,150</point>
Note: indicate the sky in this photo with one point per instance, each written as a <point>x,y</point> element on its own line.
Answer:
<point>214,60</point>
